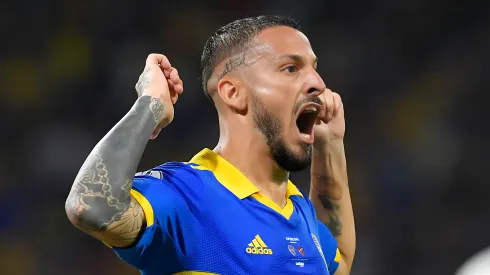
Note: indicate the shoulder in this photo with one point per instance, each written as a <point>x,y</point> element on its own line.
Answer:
<point>308,203</point>
<point>170,172</point>
<point>306,206</point>
<point>180,177</point>
<point>167,171</point>
<point>165,191</point>
<point>301,199</point>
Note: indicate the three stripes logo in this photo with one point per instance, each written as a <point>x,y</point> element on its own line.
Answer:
<point>257,246</point>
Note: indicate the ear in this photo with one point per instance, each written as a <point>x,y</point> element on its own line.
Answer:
<point>232,93</point>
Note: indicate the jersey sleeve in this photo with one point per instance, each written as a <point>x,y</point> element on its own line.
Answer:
<point>329,247</point>
<point>165,212</point>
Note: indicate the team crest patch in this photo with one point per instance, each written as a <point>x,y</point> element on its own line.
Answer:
<point>291,249</point>
<point>151,173</point>
<point>301,250</point>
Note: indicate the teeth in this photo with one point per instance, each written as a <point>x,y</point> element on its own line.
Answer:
<point>305,136</point>
<point>311,109</point>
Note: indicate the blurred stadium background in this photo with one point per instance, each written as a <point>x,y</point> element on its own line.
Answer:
<point>414,76</point>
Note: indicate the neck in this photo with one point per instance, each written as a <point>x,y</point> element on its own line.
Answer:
<point>250,154</point>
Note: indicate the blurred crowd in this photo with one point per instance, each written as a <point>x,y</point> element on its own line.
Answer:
<point>412,75</point>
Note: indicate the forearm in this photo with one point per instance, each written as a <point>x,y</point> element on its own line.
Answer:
<point>330,195</point>
<point>100,194</point>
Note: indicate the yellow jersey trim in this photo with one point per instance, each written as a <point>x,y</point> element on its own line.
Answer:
<point>337,256</point>
<point>195,273</point>
<point>231,178</point>
<point>145,205</point>
<point>106,244</point>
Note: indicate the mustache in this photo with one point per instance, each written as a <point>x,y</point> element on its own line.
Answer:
<point>306,100</point>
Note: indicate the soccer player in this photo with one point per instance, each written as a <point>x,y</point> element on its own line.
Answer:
<point>231,210</point>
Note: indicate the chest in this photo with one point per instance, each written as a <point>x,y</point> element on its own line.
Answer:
<point>249,238</point>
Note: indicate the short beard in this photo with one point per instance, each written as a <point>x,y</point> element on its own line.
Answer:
<point>272,128</point>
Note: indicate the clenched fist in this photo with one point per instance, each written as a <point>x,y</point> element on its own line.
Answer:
<point>330,124</point>
<point>162,83</point>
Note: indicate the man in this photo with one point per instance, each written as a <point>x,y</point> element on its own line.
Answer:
<point>231,210</point>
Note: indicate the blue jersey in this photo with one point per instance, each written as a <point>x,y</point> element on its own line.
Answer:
<point>205,217</point>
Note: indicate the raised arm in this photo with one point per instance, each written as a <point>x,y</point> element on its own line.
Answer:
<point>329,190</point>
<point>100,202</point>
<point>330,195</point>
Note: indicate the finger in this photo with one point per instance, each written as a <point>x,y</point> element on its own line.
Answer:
<point>167,71</point>
<point>171,85</point>
<point>179,88</point>
<point>337,103</point>
<point>329,105</point>
<point>158,59</point>
<point>174,76</point>
<point>318,121</point>
<point>323,111</point>
<point>178,84</point>
<point>174,97</point>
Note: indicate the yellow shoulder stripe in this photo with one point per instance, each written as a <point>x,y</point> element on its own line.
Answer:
<point>145,204</point>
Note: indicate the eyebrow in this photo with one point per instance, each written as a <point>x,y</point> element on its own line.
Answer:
<point>297,58</point>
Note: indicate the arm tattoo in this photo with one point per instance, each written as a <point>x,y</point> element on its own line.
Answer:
<point>333,223</point>
<point>100,195</point>
<point>143,82</point>
<point>157,109</point>
<point>128,228</point>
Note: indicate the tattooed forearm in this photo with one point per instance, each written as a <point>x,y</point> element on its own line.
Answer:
<point>143,82</point>
<point>157,109</point>
<point>333,221</point>
<point>100,194</point>
<point>330,196</point>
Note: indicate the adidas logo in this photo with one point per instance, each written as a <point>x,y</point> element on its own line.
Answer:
<point>257,246</point>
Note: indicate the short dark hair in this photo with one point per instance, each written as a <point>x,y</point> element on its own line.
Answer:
<point>232,38</point>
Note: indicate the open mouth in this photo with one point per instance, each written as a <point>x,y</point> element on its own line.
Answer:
<point>306,121</point>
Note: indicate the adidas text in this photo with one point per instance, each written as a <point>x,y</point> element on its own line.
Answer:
<point>259,250</point>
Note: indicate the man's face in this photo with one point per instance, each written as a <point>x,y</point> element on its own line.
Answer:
<point>284,88</point>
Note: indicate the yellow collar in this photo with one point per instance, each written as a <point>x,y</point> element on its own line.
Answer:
<point>230,177</point>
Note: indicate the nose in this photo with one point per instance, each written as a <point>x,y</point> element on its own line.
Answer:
<point>314,85</point>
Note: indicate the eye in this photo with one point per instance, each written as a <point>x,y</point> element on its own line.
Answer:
<point>291,69</point>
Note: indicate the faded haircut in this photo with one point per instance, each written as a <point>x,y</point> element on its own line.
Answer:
<point>233,39</point>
